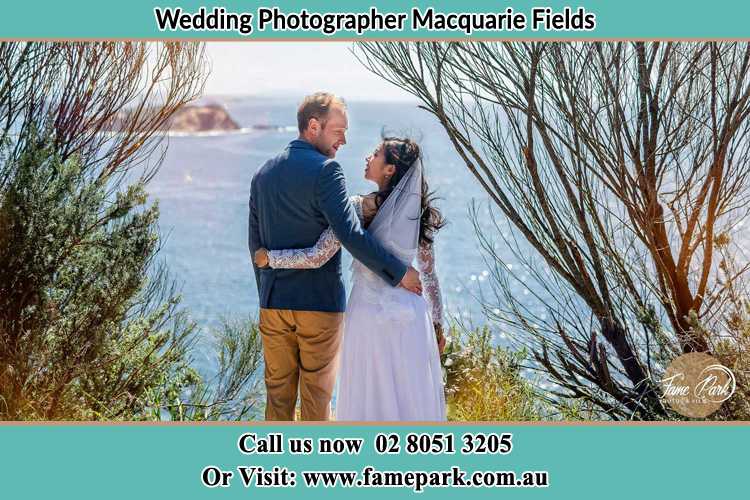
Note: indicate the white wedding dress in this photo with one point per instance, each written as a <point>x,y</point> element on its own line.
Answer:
<point>390,366</point>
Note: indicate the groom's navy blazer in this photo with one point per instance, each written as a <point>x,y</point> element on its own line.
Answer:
<point>294,197</point>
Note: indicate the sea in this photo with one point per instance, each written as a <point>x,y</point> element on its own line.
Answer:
<point>203,188</point>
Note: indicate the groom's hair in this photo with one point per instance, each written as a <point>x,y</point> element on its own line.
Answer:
<point>317,105</point>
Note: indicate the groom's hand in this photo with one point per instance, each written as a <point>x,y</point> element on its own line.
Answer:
<point>411,281</point>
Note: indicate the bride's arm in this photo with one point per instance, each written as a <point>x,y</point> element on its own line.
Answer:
<point>306,258</point>
<point>311,257</point>
<point>430,282</point>
<point>431,288</point>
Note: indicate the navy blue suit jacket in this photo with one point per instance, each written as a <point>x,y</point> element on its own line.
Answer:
<point>294,197</point>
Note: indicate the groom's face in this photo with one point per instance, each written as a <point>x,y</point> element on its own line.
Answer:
<point>332,134</point>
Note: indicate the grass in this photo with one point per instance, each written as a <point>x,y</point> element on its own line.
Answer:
<point>484,381</point>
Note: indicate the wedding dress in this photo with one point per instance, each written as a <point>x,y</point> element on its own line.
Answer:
<point>390,365</point>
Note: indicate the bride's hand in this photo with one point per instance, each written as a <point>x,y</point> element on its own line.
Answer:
<point>439,337</point>
<point>261,257</point>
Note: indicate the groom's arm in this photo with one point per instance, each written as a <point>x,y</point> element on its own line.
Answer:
<point>338,210</point>
<point>253,233</point>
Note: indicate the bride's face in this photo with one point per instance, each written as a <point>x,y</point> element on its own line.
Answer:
<point>377,170</point>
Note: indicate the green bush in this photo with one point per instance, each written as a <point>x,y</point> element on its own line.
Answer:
<point>90,327</point>
<point>484,381</point>
<point>88,324</point>
<point>235,392</point>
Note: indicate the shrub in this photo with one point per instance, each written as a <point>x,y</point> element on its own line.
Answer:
<point>87,323</point>
<point>484,381</point>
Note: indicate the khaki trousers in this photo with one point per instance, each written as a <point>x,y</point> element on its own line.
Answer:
<point>300,349</point>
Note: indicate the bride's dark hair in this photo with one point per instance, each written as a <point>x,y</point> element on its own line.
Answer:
<point>403,153</point>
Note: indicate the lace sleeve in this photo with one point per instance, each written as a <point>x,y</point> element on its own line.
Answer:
<point>315,256</point>
<point>430,283</point>
<point>306,258</point>
<point>358,207</point>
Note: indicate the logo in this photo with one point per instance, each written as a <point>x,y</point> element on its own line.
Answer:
<point>696,384</point>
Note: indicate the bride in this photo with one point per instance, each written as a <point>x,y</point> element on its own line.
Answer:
<point>390,360</point>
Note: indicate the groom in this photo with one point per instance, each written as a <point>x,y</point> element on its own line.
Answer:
<point>293,198</point>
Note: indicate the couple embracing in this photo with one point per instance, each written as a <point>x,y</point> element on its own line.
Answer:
<point>385,344</point>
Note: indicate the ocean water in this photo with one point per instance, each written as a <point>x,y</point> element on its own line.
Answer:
<point>203,188</point>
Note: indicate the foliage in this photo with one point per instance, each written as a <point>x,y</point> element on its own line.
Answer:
<point>233,393</point>
<point>484,381</point>
<point>90,326</point>
<point>83,331</point>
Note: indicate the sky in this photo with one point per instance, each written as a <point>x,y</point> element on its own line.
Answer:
<point>294,68</point>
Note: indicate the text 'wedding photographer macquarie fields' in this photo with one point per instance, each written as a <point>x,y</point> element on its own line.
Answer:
<point>374,248</point>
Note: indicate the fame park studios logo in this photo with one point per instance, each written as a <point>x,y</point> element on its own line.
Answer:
<point>696,384</point>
